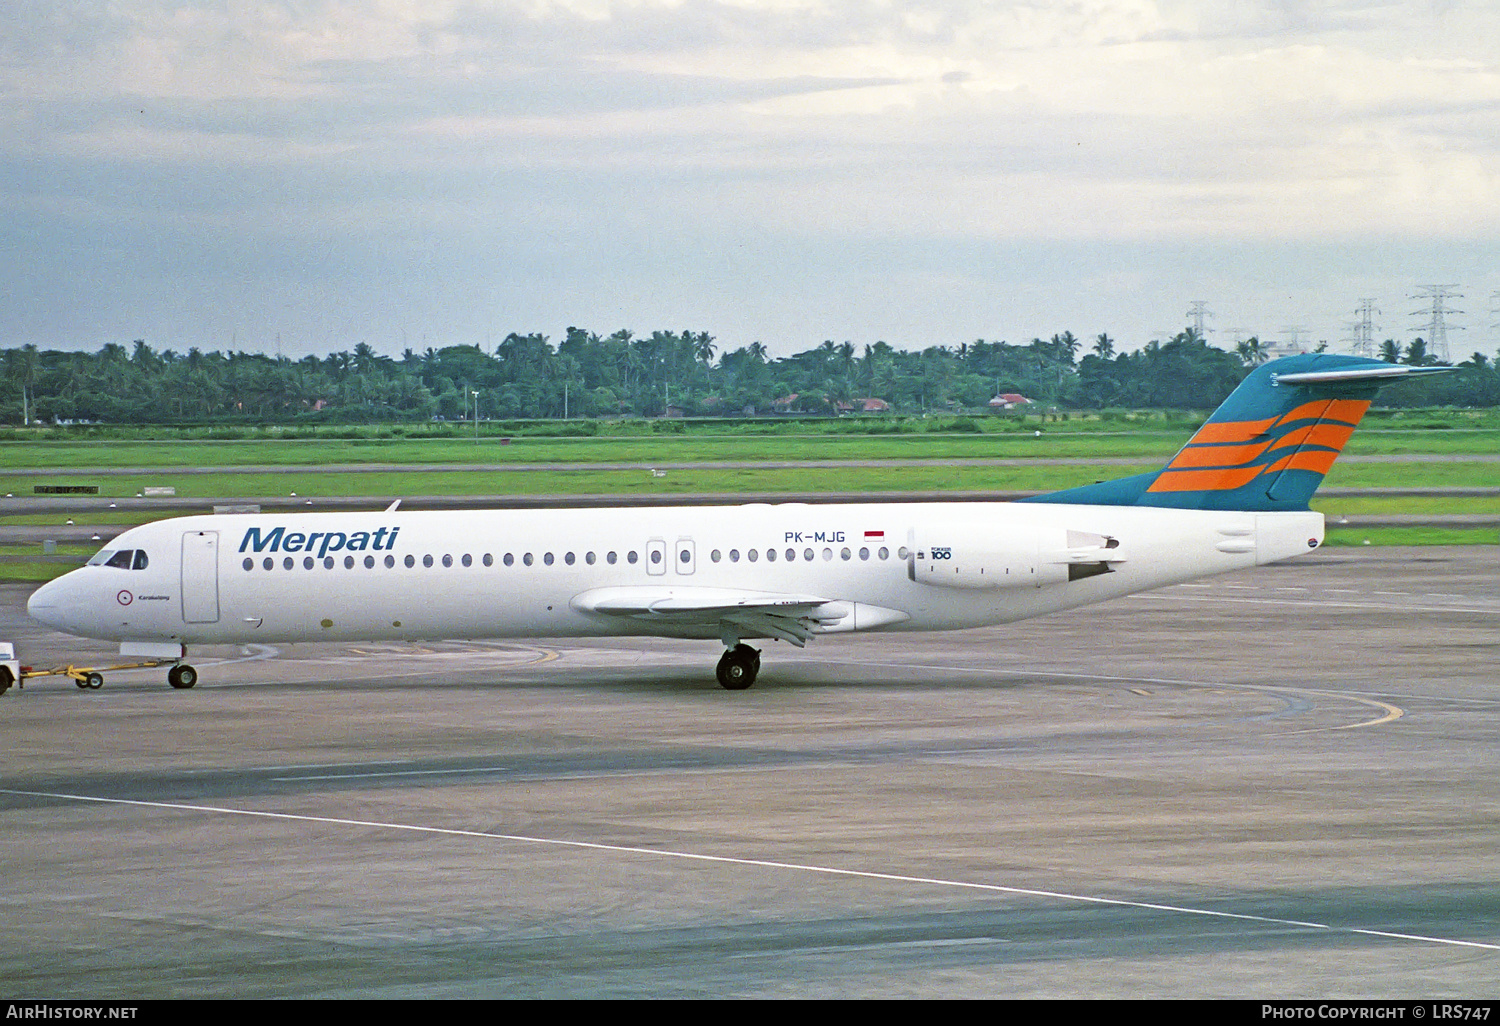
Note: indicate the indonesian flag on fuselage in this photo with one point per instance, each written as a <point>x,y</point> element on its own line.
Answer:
<point>874,535</point>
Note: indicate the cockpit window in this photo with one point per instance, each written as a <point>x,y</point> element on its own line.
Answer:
<point>121,560</point>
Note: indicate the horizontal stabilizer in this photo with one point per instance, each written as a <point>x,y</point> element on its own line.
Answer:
<point>1383,374</point>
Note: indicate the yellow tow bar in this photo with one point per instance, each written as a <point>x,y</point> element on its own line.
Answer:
<point>90,678</point>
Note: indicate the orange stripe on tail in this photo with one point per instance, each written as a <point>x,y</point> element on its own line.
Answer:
<point>1217,455</point>
<point>1226,479</point>
<point>1230,431</point>
<point>1319,461</point>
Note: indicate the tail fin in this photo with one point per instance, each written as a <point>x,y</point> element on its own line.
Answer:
<point>1267,447</point>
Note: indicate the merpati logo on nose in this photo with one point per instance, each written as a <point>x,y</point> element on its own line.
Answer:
<point>279,539</point>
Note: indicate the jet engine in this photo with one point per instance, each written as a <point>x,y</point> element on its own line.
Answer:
<point>986,555</point>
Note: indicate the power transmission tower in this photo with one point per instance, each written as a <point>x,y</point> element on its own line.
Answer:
<point>1437,326</point>
<point>1362,342</point>
<point>1197,311</point>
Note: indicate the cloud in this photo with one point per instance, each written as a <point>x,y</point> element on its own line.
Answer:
<point>354,143</point>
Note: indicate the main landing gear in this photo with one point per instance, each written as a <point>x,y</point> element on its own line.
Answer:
<point>738,667</point>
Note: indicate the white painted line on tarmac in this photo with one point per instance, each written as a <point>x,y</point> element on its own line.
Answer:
<point>1323,604</point>
<point>1389,713</point>
<point>799,867</point>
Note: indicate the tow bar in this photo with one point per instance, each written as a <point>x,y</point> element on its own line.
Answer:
<point>89,678</point>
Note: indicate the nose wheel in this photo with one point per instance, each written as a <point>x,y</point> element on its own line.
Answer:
<point>738,668</point>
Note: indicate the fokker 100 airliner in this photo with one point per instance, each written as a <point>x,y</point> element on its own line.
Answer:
<point>1235,496</point>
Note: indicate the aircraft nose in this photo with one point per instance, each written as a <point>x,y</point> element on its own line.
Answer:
<point>49,603</point>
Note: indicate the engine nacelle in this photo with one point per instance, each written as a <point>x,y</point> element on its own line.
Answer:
<point>985,555</point>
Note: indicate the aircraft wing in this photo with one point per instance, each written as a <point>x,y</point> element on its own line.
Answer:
<point>734,613</point>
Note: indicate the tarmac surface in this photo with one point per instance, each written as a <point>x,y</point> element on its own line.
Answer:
<point>1279,784</point>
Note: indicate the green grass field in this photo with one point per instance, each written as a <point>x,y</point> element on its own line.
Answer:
<point>1151,443</point>
<point>638,481</point>
<point>1146,445</point>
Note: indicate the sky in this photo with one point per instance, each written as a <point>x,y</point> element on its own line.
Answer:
<point>300,177</point>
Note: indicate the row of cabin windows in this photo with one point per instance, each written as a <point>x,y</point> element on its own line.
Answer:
<point>509,559</point>
<point>527,559</point>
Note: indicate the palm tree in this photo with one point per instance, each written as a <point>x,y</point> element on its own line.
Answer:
<point>1417,354</point>
<point>1251,352</point>
<point>703,347</point>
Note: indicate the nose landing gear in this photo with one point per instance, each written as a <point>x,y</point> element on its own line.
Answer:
<point>738,667</point>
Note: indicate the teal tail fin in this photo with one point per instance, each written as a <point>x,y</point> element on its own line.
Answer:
<point>1267,447</point>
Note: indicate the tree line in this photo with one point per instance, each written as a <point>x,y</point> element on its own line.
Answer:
<point>587,375</point>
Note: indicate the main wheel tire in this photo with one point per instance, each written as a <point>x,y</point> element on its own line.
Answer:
<point>182,676</point>
<point>735,671</point>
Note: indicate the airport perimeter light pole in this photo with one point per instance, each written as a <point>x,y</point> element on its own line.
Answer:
<point>476,416</point>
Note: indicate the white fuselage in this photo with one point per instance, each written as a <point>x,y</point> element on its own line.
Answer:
<point>506,574</point>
